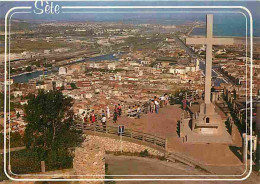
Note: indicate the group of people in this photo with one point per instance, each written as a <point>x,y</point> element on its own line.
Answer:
<point>134,111</point>
<point>91,117</point>
<point>117,113</point>
<point>152,106</point>
<point>156,103</point>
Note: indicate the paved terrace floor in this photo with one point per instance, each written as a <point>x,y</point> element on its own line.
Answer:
<point>165,124</point>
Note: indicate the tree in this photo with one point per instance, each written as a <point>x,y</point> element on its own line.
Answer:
<point>1,101</point>
<point>234,94</point>
<point>12,70</point>
<point>49,132</point>
<point>73,85</point>
<point>7,102</point>
<point>28,69</point>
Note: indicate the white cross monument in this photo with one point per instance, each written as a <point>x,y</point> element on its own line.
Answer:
<point>208,118</point>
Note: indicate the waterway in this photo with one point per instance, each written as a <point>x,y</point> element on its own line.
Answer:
<point>24,78</point>
<point>217,80</point>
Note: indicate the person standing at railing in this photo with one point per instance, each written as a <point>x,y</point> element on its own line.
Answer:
<point>115,115</point>
<point>108,112</point>
<point>135,109</point>
<point>129,111</point>
<point>83,116</point>
<point>119,110</point>
<point>116,109</point>
<point>104,121</point>
<point>151,106</point>
<point>103,114</point>
<point>166,99</point>
<point>162,101</point>
<point>93,118</point>
<point>157,105</point>
<point>146,106</point>
<point>138,113</point>
<point>87,118</point>
<point>83,119</point>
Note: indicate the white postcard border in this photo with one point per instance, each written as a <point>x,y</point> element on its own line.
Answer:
<point>135,7</point>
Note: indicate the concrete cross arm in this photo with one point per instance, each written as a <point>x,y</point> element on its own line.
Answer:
<point>213,41</point>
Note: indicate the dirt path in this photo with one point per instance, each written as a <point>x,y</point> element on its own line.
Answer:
<point>125,165</point>
<point>132,165</point>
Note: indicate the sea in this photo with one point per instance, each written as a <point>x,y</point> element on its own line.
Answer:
<point>227,22</point>
<point>234,26</point>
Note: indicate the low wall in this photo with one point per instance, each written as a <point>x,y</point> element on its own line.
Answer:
<point>110,144</point>
<point>90,157</point>
<point>89,160</point>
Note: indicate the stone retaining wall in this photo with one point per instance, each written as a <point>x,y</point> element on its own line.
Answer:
<point>90,157</point>
<point>89,160</point>
<point>110,144</point>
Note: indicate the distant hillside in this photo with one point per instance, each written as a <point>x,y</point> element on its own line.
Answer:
<point>16,25</point>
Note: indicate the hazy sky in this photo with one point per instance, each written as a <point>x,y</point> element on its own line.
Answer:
<point>164,16</point>
<point>253,6</point>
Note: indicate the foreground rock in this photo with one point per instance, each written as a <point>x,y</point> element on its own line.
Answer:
<point>89,161</point>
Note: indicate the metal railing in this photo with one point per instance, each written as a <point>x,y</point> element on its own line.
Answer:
<point>132,134</point>
<point>138,136</point>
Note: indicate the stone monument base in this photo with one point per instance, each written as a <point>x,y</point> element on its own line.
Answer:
<point>208,122</point>
<point>205,126</point>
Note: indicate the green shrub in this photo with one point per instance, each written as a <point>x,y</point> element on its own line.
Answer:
<point>60,159</point>
<point>24,162</point>
<point>2,174</point>
<point>144,153</point>
<point>16,140</point>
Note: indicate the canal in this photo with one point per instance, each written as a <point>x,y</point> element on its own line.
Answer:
<point>24,78</point>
